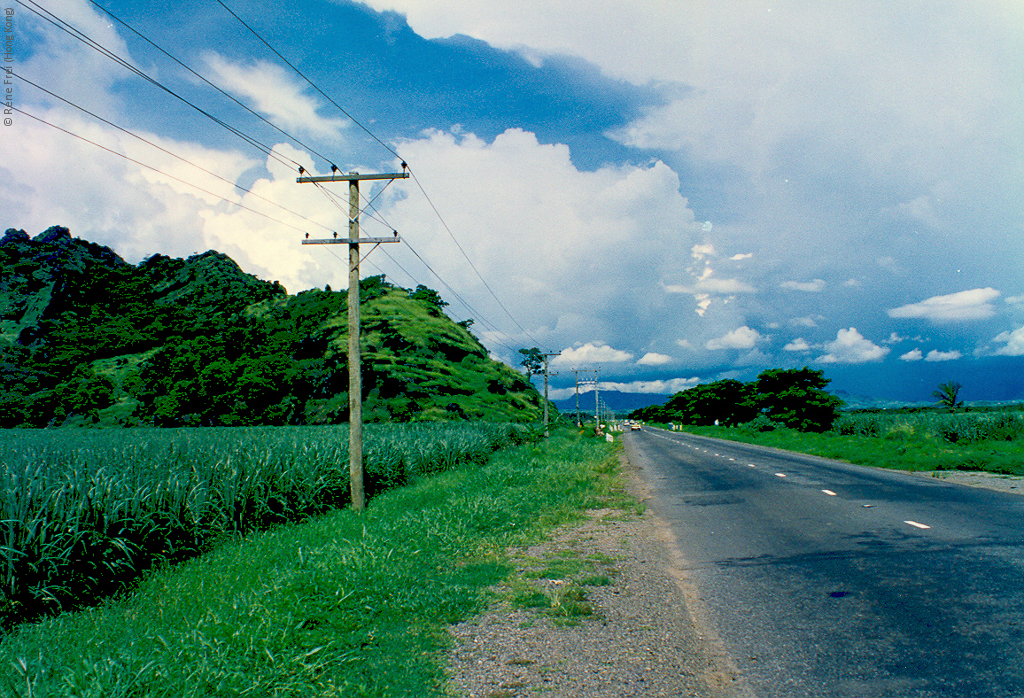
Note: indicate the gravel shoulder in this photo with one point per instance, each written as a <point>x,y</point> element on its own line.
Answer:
<point>1012,484</point>
<point>600,609</point>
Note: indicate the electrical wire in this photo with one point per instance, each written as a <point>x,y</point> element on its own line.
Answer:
<point>67,28</point>
<point>259,116</point>
<point>154,169</point>
<point>168,152</point>
<point>393,152</point>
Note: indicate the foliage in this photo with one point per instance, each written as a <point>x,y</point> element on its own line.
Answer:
<point>797,399</point>
<point>84,513</point>
<point>533,360</point>
<point>89,339</point>
<point>726,402</point>
<point>343,605</point>
<point>947,395</point>
<point>794,398</point>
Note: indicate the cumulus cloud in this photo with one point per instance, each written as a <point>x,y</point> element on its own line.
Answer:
<point>851,347</point>
<point>798,344</point>
<point>654,359</point>
<point>664,387</point>
<point>975,304</point>
<point>936,355</point>
<point>740,338</point>
<point>1013,343</point>
<point>276,93</point>
<point>816,286</point>
<point>912,355</point>
<point>591,353</point>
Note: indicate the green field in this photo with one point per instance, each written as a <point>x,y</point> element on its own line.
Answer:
<point>990,441</point>
<point>84,512</point>
<point>343,604</point>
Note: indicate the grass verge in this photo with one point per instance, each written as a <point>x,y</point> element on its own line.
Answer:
<point>345,605</point>
<point>897,450</point>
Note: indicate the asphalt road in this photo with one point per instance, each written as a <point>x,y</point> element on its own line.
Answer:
<point>823,578</point>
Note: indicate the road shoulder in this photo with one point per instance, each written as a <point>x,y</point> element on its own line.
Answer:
<point>633,634</point>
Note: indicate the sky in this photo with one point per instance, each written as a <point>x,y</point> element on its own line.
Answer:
<point>668,192</point>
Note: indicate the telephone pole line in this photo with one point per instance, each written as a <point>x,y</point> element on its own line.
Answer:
<point>355,369</point>
<point>547,432</point>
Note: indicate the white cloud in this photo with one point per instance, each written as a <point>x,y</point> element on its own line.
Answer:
<point>975,304</point>
<point>811,321</point>
<point>936,355</point>
<point>1014,343</point>
<point>707,283</point>
<point>654,359</point>
<point>798,344</point>
<point>664,387</point>
<point>912,355</point>
<point>740,338</point>
<point>276,93</point>
<point>739,257</point>
<point>591,353</point>
<point>570,251</point>
<point>850,347</point>
<point>816,286</point>
<point>700,251</point>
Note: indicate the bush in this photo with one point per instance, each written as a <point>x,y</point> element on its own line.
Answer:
<point>761,423</point>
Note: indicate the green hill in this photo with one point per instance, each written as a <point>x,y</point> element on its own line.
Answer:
<point>89,339</point>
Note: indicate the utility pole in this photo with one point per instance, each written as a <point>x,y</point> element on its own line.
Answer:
<point>547,433</point>
<point>597,405</point>
<point>576,375</point>
<point>355,369</point>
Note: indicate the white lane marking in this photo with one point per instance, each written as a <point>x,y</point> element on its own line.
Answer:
<point>732,459</point>
<point>780,474</point>
<point>916,524</point>
<point>830,493</point>
<point>751,465</point>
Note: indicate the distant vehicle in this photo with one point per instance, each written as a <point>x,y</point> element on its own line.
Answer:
<point>635,427</point>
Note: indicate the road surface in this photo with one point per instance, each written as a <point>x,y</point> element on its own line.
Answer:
<point>822,578</point>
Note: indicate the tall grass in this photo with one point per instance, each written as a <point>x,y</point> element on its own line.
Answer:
<point>83,513</point>
<point>963,427</point>
<point>984,441</point>
<point>340,605</point>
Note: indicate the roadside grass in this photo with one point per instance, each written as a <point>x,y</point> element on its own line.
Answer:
<point>342,605</point>
<point>898,449</point>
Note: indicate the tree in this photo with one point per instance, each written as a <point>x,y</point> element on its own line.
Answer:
<point>796,398</point>
<point>726,402</point>
<point>947,395</point>
<point>430,297</point>
<point>533,361</point>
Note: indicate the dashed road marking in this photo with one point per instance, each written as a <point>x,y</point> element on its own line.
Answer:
<point>780,474</point>
<point>916,524</point>
<point>830,493</point>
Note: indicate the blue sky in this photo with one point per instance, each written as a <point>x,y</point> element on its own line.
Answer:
<point>672,192</point>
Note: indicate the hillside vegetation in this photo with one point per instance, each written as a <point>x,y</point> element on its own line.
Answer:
<point>88,339</point>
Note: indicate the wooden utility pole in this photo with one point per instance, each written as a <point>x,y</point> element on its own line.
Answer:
<point>547,433</point>
<point>576,375</point>
<point>355,369</point>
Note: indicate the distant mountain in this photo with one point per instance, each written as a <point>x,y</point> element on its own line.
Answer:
<point>613,400</point>
<point>865,402</point>
<point>87,338</point>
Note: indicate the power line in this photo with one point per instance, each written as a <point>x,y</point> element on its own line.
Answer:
<point>468,260</point>
<point>157,170</point>
<point>393,152</point>
<point>211,84</point>
<point>96,46</point>
<point>168,152</point>
<point>311,83</point>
